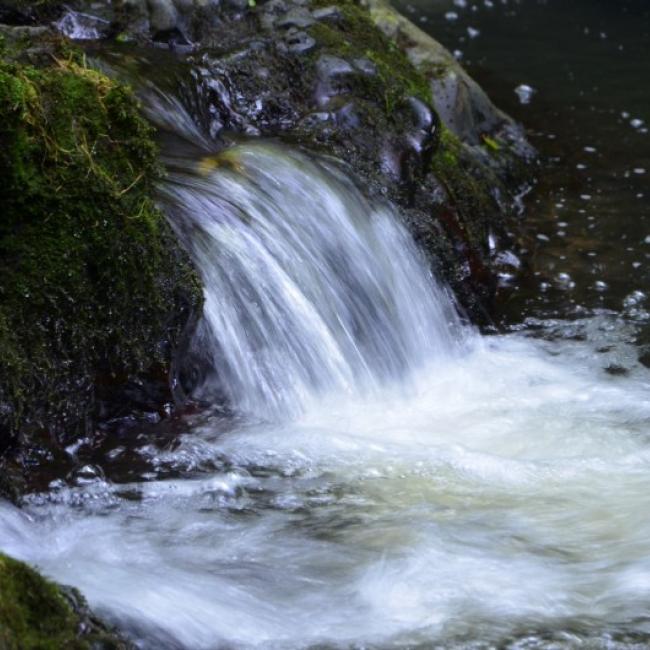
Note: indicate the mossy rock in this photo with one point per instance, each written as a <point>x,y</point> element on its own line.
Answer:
<point>94,289</point>
<point>36,614</point>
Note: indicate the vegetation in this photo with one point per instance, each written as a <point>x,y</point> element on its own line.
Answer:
<point>36,614</point>
<point>91,281</point>
<point>356,36</point>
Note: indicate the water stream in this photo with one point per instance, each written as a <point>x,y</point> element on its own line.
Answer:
<point>385,477</point>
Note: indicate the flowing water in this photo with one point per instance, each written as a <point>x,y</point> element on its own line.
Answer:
<point>384,476</point>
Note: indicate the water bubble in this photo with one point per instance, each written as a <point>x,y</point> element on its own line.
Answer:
<point>473,32</point>
<point>634,299</point>
<point>451,15</point>
<point>636,123</point>
<point>590,149</point>
<point>525,93</point>
<point>639,170</point>
<point>599,285</point>
<point>564,281</point>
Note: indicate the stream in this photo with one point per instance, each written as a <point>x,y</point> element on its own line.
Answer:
<point>386,476</point>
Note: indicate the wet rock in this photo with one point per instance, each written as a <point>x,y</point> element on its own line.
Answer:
<point>99,295</point>
<point>81,26</point>
<point>330,67</point>
<point>22,12</point>
<point>365,66</point>
<point>460,102</point>
<point>163,16</point>
<point>327,13</point>
<point>347,117</point>
<point>297,17</point>
<point>331,72</point>
<point>37,613</point>
<point>299,42</point>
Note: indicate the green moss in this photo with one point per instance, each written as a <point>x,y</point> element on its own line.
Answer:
<point>356,36</point>
<point>468,185</point>
<point>89,274</point>
<point>35,614</point>
<point>491,143</point>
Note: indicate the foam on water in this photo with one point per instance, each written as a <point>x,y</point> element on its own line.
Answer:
<point>393,480</point>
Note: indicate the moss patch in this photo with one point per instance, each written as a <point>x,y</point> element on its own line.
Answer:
<point>36,614</point>
<point>91,282</point>
<point>354,35</point>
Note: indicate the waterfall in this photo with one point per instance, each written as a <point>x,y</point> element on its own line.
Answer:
<point>395,481</point>
<point>310,288</point>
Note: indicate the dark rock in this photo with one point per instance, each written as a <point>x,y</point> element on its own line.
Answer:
<point>299,42</point>
<point>296,17</point>
<point>95,291</point>
<point>327,13</point>
<point>365,66</point>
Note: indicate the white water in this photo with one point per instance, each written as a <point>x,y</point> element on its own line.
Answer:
<point>394,481</point>
<point>309,289</point>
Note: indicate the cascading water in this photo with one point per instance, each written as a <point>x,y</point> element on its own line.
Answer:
<point>393,481</point>
<point>308,287</point>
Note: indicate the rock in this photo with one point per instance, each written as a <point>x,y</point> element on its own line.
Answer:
<point>460,102</point>
<point>95,291</point>
<point>163,16</point>
<point>299,42</point>
<point>327,13</point>
<point>25,12</point>
<point>36,613</point>
<point>365,66</point>
<point>296,17</point>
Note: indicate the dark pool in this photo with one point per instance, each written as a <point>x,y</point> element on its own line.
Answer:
<point>588,65</point>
